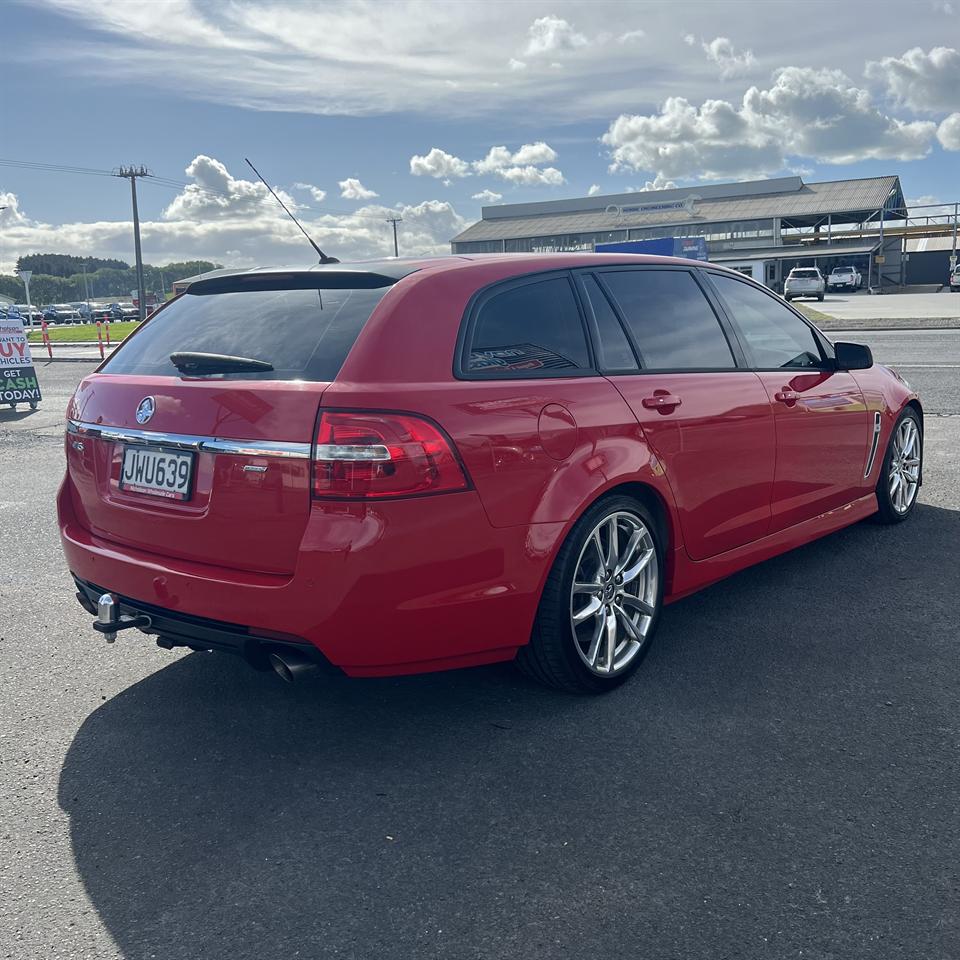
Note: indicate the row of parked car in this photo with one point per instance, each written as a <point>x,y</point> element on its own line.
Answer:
<point>78,312</point>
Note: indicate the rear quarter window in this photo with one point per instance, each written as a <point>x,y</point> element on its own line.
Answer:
<point>527,329</point>
<point>304,334</point>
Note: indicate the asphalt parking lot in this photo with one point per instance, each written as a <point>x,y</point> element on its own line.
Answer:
<point>780,780</point>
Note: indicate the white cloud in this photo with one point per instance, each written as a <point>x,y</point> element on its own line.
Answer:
<point>440,164</point>
<point>549,34</point>
<point>536,153</point>
<point>919,80</point>
<point>522,167</point>
<point>353,189</point>
<point>516,64</point>
<point>689,39</point>
<point>215,193</point>
<point>594,190</point>
<point>525,166</point>
<point>948,133</point>
<point>732,64</point>
<point>488,196</point>
<point>631,35</point>
<point>246,235</point>
<point>658,183</point>
<point>806,112</point>
<point>530,176</point>
<point>318,195</point>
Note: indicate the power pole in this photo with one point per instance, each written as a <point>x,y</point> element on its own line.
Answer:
<point>131,174</point>
<point>395,221</point>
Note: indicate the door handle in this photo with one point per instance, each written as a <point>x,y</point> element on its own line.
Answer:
<point>787,396</point>
<point>661,401</point>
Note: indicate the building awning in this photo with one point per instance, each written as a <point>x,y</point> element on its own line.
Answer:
<point>794,252</point>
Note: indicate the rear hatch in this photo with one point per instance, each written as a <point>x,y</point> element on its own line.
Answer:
<point>206,457</point>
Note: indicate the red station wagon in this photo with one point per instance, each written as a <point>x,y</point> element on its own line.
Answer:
<point>402,466</point>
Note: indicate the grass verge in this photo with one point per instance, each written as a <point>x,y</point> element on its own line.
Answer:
<point>815,316</point>
<point>73,332</point>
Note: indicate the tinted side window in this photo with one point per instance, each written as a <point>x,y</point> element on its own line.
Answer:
<point>772,333</point>
<point>671,320</point>
<point>613,348</point>
<point>529,328</point>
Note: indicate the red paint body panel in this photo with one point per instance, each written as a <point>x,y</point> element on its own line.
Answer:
<point>822,442</point>
<point>454,579</point>
<point>718,449</point>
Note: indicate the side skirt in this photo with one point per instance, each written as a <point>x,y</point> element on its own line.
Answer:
<point>692,575</point>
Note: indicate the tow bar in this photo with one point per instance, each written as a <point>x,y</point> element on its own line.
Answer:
<point>110,623</point>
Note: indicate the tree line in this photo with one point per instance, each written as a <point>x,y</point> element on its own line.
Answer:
<point>59,278</point>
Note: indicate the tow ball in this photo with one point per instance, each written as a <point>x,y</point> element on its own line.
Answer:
<point>109,622</point>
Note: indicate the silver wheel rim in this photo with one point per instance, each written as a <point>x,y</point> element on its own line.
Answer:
<point>614,594</point>
<point>903,480</point>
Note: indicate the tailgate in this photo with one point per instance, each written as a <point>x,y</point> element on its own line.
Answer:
<point>248,501</point>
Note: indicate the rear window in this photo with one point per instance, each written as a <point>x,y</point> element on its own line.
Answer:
<point>804,274</point>
<point>304,334</point>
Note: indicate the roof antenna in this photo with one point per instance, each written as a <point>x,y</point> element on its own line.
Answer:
<point>323,257</point>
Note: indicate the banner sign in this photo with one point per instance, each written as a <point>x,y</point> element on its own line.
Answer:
<point>686,204</point>
<point>18,379</point>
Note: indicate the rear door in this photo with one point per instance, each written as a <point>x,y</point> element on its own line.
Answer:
<point>823,427</point>
<point>208,466</point>
<point>708,422</point>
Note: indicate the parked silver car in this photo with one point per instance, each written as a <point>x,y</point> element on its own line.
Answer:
<point>804,282</point>
<point>955,278</point>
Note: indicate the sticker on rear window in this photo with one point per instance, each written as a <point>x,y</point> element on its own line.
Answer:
<point>522,356</point>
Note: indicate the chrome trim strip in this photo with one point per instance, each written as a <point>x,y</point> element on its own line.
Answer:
<point>877,423</point>
<point>184,441</point>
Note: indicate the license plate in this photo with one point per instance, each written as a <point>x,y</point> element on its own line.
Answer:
<point>157,471</point>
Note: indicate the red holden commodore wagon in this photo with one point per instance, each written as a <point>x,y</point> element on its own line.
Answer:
<point>401,466</point>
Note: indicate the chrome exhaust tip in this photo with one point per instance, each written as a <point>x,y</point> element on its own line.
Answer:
<point>290,665</point>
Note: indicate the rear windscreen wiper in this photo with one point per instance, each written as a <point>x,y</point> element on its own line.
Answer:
<point>199,363</point>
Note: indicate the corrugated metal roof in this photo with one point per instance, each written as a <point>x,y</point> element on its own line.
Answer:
<point>853,198</point>
<point>794,252</point>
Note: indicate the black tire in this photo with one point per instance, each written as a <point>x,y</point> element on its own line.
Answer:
<point>787,298</point>
<point>887,512</point>
<point>820,298</point>
<point>551,656</point>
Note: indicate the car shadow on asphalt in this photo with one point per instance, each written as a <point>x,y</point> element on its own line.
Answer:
<point>780,776</point>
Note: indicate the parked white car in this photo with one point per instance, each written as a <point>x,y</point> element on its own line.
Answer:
<point>804,282</point>
<point>955,278</point>
<point>844,278</point>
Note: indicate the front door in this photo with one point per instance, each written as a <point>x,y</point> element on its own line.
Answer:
<point>822,424</point>
<point>709,424</point>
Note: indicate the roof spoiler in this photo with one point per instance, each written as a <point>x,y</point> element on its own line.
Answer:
<point>287,280</point>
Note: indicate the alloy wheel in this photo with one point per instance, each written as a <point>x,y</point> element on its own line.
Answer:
<point>904,475</point>
<point>614,594</point>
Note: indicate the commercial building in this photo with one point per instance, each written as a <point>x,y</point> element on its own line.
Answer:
<point>762,228</point>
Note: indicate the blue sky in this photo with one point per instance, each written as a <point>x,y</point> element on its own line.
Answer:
<point>428,105</point>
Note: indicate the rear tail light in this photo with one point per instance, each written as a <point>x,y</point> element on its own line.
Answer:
<point>369,456</point>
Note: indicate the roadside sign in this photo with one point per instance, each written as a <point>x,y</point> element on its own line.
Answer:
<point>18,379</point>
<point>880,259</point>
<point>953,260</point>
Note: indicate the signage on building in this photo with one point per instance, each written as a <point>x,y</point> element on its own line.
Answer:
<point>18,379</point>
<point>621,210</point>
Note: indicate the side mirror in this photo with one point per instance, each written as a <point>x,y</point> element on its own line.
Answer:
<point>853,356</point>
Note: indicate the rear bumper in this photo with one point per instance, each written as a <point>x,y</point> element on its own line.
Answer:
<point>407,586</point>
<point>174,629</point>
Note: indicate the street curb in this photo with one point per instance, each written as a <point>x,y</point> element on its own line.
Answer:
<point>890,323</point>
